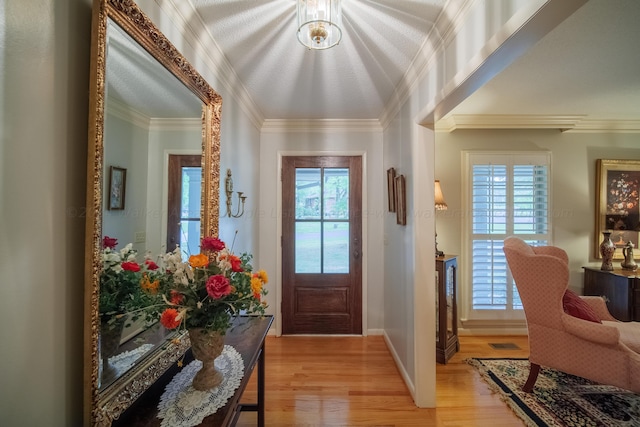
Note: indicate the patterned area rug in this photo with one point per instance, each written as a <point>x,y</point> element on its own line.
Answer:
<point>559,399</point>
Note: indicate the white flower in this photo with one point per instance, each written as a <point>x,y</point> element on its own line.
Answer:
<point>111,257</point>
<point>223,258</point>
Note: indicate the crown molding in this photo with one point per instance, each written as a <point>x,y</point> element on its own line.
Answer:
<point>323,125</point>
<point>607,126</point>
<point>186,124</point>
<point>563,123</point>
<point>447,24</point>
<point>123,111</point>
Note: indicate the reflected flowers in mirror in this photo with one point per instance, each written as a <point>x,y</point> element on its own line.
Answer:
<point>127,287</point>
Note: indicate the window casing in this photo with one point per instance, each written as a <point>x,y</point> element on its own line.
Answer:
<point>506,194</point>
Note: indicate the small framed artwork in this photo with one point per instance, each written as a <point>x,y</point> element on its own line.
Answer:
<point>617,203</point>
<point>117,187</point>
<point>401,200</point>
<point>391,189</point>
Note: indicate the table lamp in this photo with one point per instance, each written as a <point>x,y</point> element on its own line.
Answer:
<point>440,205</point>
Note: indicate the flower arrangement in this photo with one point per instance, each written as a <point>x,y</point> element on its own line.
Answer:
<point>209,289</point>
<point>125,287</point>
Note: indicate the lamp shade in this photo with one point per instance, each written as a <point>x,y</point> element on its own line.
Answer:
<point>319,23</point>
<point>439,198</point>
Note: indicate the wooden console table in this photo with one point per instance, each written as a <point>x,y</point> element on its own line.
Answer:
<point>247,336</point>
<point>620,288</point>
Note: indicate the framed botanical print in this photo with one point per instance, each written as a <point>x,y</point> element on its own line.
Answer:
<point>617,203</point>
<point>117,187</point>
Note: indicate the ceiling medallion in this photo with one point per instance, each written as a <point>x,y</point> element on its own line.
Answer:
<point>319,23</point>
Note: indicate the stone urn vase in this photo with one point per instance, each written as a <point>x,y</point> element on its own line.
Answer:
<point>607,248</point>
<point>206,346</point>
<point>110,336</point>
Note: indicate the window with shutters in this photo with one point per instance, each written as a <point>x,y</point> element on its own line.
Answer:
<point>507,194</point>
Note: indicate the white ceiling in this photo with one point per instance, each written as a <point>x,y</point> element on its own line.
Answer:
<point>586,72</point>
<point>353,80</point>
<point>588,68</point>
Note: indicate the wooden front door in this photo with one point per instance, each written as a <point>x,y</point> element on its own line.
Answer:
<point>183,219</point>
<point>322,245</point>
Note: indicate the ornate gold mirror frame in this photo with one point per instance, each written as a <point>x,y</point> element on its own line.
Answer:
<point>103,406</point>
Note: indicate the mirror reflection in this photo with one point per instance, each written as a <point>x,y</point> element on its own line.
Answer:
<point>153,180</point>
<point>151,194</point>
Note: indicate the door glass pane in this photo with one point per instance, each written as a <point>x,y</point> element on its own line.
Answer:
<point>336,193</point>
<point>190,211</point>
<point>308,245</point>
<point>308,193</point>
<point>336,247</point>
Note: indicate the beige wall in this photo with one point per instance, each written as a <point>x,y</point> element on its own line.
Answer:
<point>44,78</point>
<point>573,169</point>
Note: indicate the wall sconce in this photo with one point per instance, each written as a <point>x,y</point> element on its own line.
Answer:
<point>228,188</point>
<point>440,205</point>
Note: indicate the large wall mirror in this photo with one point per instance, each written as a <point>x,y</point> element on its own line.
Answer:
<point>148,107</point>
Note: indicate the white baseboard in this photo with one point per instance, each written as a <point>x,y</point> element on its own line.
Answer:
<point>401,368</point>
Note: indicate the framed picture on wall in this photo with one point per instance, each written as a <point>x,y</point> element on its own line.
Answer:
<point>117,187</point>
<point>401,201</point>
<point>391,189</point>
<point>617,203</point>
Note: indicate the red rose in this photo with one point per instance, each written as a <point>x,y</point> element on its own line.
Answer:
<point>236,264</point>
<point>176,297</point>
<point>130,266</point>
<point>151,265</point>
<point>218,286</point>
<point>109,242</point>
<point>212,244</point>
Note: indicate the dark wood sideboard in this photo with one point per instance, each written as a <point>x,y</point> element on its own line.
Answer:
<point>247,335</point>
<point>447,343</point>
<point>620,289</point>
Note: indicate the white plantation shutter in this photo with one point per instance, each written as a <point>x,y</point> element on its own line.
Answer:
<point>508,195</point>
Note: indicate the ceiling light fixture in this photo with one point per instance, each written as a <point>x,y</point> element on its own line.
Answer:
<point>319,23</point>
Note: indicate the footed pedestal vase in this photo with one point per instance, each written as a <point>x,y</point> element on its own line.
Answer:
<point>206,346</point>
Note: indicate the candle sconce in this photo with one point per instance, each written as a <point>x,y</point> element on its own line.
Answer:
<point>228,187</point>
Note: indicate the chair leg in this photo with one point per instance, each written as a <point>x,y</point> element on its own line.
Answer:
<point>534,370</point>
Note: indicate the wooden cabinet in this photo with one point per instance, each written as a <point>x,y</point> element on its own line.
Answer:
<point>447,343</point>
<point>620,289</point>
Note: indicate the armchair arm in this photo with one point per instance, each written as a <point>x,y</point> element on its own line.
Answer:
<point>590,331</point>
<point>600,307</point>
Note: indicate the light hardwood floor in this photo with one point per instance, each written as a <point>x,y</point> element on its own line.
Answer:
<point>353,381</point>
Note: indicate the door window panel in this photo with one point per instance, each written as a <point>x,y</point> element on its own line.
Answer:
<point>322,220</point>
<point>336,247</point>
<point>336,193</point>
<point>308,247</point>
<point>190,211</point>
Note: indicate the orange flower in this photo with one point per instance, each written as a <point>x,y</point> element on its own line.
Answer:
<point>170,318</point>
<point>256,286</point>
<point>149,286</point>
<point>262,275</point>
<point>198,261</point>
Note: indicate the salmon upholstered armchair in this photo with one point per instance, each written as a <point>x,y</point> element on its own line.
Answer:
<point>600,349</point>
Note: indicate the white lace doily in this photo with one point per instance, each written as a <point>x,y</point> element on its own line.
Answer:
<point>123,361</point>
<point>184,406</point>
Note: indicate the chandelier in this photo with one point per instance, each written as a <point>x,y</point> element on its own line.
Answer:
<point>319,23</point>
